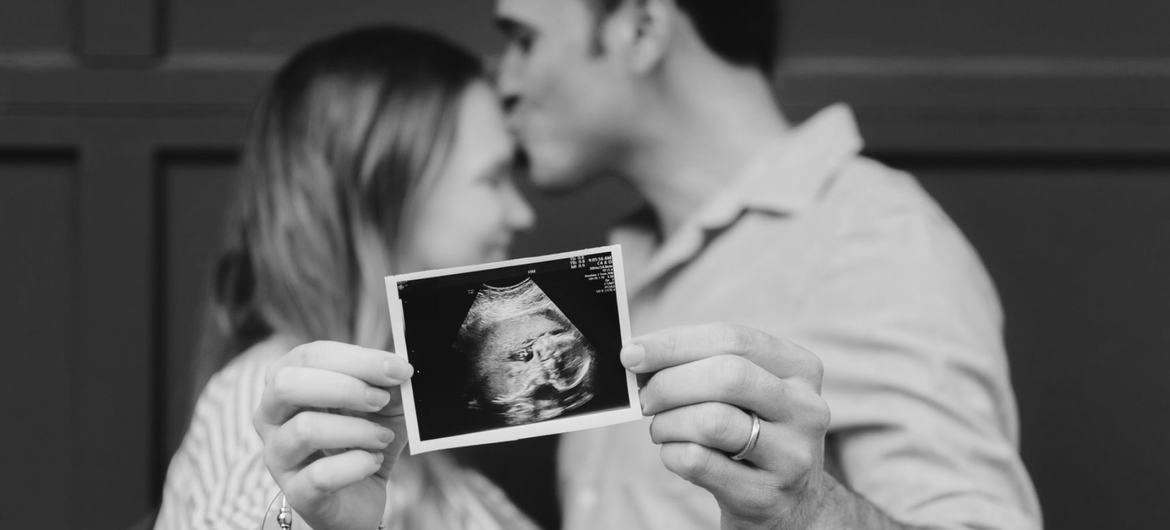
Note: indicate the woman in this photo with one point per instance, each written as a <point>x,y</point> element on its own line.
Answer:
<point>379,150</point>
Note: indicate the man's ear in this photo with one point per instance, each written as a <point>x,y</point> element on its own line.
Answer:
<point>647,28</point>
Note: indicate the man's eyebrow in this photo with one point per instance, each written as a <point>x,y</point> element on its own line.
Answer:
<point>510,26</point>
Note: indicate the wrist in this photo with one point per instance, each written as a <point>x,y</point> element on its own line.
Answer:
<point>826,504</point>
<point>809,509</point>
<point>840,507</point>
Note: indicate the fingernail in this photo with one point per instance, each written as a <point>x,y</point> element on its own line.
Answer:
<point>397,371</point>
<point>386,436</point>
<point>379,458</point>
<point>377,398</point>
<point>633,355</point>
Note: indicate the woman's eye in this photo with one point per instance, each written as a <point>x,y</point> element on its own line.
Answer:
<point>497,179</point>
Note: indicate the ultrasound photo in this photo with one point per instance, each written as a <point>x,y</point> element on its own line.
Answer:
<point>513,349</point>
<point>530,361</point>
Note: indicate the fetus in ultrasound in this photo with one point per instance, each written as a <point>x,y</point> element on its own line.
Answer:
<point>528,362</point>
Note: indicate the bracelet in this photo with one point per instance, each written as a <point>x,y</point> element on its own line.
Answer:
<point>284,518</point>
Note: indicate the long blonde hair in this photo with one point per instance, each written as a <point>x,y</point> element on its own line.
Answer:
<point>348,131</point>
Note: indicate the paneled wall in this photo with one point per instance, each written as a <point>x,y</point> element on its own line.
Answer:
<point>1079,252</point>
<point>35,319</point>
<point>1043,129</point>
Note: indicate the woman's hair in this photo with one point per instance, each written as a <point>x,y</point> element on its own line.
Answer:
<point>348,133</point>
<point>349,130</point>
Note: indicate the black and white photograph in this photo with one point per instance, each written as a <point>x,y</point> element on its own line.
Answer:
<point>513,349</point>
<point>885,264</point>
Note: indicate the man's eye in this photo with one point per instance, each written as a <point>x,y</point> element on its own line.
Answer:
<point>524,42</point>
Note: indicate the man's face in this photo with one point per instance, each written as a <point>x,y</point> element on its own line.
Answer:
<point>564,97</point>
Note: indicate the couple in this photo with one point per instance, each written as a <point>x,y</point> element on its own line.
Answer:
<point>387,150</point>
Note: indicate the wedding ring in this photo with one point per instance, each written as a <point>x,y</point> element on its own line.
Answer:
<point>752,439</point>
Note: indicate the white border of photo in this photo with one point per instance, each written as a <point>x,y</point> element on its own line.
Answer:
<point>548,427</point>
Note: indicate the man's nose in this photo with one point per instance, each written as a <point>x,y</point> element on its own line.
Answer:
<point>508,80</point>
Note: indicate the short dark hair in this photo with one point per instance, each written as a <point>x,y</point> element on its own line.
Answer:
<point>742,32</point>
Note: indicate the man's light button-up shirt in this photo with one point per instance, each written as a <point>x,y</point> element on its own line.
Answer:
<point>854,261</point>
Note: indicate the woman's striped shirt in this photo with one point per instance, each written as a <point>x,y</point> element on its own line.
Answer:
<point>217,479</point>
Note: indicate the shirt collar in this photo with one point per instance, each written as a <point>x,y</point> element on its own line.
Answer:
<point>785,178</point>
<point>789,175</point>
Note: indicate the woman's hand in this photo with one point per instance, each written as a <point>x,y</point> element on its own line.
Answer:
<point>705,384</point>
<point>332,430</point>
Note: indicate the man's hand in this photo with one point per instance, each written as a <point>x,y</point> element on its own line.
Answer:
<point>705,383</point>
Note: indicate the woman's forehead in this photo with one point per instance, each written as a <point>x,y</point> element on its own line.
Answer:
<point>483,143</point>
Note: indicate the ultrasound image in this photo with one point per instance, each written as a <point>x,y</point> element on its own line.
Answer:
<point>514,350</point>
<point>528,361</point>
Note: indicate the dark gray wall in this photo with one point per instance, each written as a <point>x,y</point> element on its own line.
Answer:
<point>1044,130</point>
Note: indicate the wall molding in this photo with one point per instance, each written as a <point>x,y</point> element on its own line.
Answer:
<point>904,104</point>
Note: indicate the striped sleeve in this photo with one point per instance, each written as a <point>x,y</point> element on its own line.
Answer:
<point>217,479</point>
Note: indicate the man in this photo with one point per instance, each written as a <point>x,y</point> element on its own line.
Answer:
<point>784,229</point>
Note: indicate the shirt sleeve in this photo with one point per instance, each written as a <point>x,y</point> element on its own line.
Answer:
<point>217,479</point>
<point>910,330</point>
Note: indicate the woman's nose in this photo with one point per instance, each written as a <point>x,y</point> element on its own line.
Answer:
<point>520,213</point>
